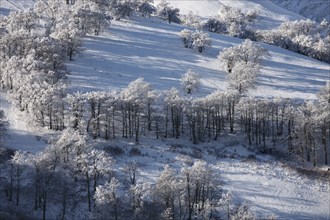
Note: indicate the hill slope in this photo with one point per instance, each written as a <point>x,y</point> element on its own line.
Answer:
<point>316,10</point>
<point>153,50</point>
<point>271,15</point>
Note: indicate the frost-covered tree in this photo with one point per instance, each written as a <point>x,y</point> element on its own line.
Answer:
<point>22,20</point>
<point>146,8</point>
<point>141,199</point>
<point>92,166</point>
<point>242,211</point>
<point>190,81</point>
<point>131,169</point>
<point>216,26</point>
<point>167,12</point>
<point>197,39</point>
<point>191,20</point>
<point>174,105</point>
<point>107,195</point>
<point>122,9</point>
<point>3,127</point>
<point>186,36</point>
<point>70,36</point>
<point>70,143</point>
<point>323,118</point>
<point>136,99</point>
<point>166,190</point>
<point>19,165</point>
<point>242,63</point>
<point>201,40</point>
<point>199,186</point>
<point>243,76</point>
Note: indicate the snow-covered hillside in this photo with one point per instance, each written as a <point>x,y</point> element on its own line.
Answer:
<point>316,10</point>
<point>8,5</point>
<point>271,15</point>
<point>154,50</point>
<point>108,153</point>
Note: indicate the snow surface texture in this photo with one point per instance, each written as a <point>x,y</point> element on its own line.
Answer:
<point>316,10</point>
<point>154,50</point>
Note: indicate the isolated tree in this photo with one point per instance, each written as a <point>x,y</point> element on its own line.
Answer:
<point>201,40</point>
<point>242,63</point>
<point>167,12</point>
<point>146,8</point>
<point>190,81</point>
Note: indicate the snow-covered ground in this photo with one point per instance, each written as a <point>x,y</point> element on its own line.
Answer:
<point>316,9</point>
<point>153,49</point>
<point>268,186</point>
<point>22,134</point>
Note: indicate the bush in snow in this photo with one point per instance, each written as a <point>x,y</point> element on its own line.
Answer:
<point>242,212</point>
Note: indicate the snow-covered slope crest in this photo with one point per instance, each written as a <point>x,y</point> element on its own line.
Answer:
<point>271,15</point>
<point>316,9</point>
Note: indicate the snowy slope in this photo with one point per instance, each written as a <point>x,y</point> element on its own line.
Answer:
<point>153,50</point>
<point>8,5</point>
<point>316,9</point>
<point>269,187</point>
<point>271,15</point>
<point>22,135</point>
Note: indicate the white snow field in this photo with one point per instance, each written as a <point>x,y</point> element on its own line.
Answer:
<point>153,49</point>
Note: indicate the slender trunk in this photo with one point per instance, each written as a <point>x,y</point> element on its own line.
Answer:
<point>88,192</point>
